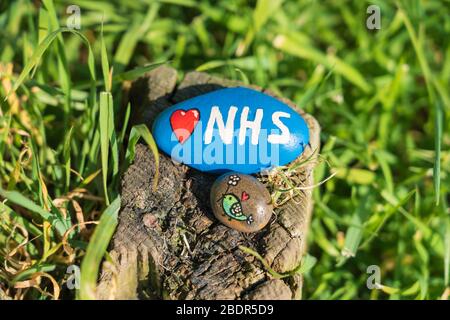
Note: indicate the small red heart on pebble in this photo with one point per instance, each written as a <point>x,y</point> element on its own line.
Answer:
<point>183,123</point>
<point>245,196</point>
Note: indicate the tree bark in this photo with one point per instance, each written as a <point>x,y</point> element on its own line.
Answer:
<point>168,245</point>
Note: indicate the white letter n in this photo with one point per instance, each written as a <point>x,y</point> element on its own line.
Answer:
<point>225,131</point>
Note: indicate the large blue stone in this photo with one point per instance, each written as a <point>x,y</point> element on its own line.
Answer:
<point>232,129</point>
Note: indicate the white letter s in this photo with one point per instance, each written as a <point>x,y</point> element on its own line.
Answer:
<point>282,138</point>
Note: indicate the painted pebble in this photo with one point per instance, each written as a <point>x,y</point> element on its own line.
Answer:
<point>232,129</point>
<point>241,202</point>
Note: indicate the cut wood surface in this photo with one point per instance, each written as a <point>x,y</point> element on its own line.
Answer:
<point>168,245</point>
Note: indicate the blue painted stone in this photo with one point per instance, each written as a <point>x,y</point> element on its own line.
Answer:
<point>232,129</point>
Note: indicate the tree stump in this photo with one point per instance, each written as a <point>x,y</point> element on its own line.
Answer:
<point>168,245</point>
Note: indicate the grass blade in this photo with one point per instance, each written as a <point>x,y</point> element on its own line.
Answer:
<point>305,265</point>
<point>437,152</point>
<point>291,46</point>
<point>97,249</point>
<point>105,64</point>
<point>136,72</point>
<point>17,198</point>
<point>130,39</point>
<point>66,156</point>
<point>37,55</point>
<point>104,121</point>
<point>418,48</point>
<point>113,138</point>
<point>354,233</point>
<point>447,254</point>
<point>263,11</point>
<point>125,121</point>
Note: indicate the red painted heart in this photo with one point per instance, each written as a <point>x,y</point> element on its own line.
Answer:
<point>245,196</point>
<point>183,123</point>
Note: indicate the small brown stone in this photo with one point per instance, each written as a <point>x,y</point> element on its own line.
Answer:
<point>241,202</point>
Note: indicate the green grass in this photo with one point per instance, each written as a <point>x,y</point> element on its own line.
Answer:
<point>381,98</point>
